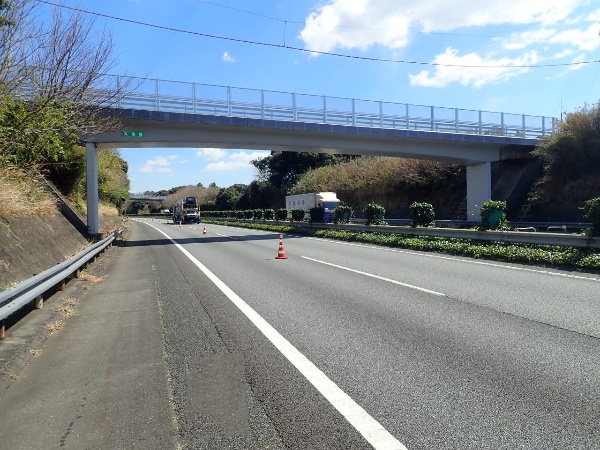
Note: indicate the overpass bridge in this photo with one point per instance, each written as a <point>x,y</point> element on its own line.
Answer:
<point>159,113</point>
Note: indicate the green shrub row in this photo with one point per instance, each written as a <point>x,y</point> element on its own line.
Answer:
<point>342,214</point>
<point>591,209</point>
<point>532,254</point>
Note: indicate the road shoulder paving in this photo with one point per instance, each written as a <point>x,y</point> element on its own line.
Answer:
<point>100,381</point>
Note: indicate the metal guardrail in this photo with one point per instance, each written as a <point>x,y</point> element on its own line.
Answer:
<point>523,237</point>
<point>33,289</point>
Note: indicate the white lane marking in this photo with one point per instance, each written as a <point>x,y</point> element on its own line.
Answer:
<point>367,426</point>
<point>389,280</point>
<point>465,259</point>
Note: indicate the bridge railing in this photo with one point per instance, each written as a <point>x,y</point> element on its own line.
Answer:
<point>198,98</point>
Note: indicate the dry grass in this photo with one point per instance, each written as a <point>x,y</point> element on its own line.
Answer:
<point>68,307</point>
<point>92,279</point>
<point>34,352</point>
<point>17,188</point>
<point>107,210</point>
<point>70,302</point>
<point>55,326</point>
<point>391,182</point>
<point>66,311</point>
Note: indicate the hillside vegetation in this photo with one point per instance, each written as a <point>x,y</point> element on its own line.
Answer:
<point>392,182</point>
<point>571,160</point>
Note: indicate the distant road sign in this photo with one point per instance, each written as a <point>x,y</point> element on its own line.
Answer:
<point>133,133</point>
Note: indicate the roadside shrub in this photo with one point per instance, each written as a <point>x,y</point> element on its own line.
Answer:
<point>269,214</point>
<point>281,214</point>
<point>493,216</point>
<point>375,214</point>
<point>239,214</point>
<point>342,214</point>
<point>259,214</point>
<point>316,214</point>
<point>249,214</point>
<point>297,215</point>
<point>423,214</point>
<point>592,212</point>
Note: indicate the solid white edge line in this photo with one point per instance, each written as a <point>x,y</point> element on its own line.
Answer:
<point>389,280</point>
<point>367,426</point>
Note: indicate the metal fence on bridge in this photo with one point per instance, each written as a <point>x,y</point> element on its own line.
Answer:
<point>198,98</point>
<point>210,99</point>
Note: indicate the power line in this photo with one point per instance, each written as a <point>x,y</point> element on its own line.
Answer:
<point>316,52</point>
<point>356,27</point>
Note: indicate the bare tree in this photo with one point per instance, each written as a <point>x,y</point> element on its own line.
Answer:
<point>61,63</point>
<point>15,35</point>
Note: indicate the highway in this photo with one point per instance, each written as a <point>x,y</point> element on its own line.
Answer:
<point>351,346</point>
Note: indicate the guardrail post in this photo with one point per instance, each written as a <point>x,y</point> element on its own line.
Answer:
<point>39,302</point>
<point>120,97</point>
<point>294,109</point>
<point>380,114</point>
<point>543,125</point>
<point>432,120</point>
<point>502,123</point>
<point>324,109</point>
<point>194,97</point>
<point>479,121</point>
<point>353,112</point>
<point>229,100</point>
<point>262,103</point>
<point>456,119</point>
<point>407,117</point>
<point>157,93</point>
<point>523,125</point>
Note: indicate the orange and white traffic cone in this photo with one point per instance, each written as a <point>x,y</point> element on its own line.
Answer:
<point>281,252</point>
<point>204,230</point>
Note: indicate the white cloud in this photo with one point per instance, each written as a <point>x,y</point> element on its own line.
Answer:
<point>160,164</point>
<point>450,69</point>
<point>517,41</point>
<point>228,58</point>
<point>235,161</point>
<point>578,59</point>
<point>594,16</point>
<point>364,23</point>
<point>211,153</point>
<point>584,39</point>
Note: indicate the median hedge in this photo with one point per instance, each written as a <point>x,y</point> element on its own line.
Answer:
<point>533,254</point>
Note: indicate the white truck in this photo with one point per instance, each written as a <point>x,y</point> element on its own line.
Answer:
<point>328,200</point>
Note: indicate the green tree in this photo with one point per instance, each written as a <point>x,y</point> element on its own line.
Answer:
<point>227,199</point>
<point>283,169</point>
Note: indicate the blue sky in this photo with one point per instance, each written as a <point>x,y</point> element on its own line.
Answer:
<point>516,56</point>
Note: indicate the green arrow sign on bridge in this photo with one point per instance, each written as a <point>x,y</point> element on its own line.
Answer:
<point>133,133</point>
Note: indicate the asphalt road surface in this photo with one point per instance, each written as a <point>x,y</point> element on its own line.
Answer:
<point>353,346</point>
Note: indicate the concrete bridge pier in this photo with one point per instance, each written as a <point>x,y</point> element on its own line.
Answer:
<point>479,188</point>
<point>91,165</point>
